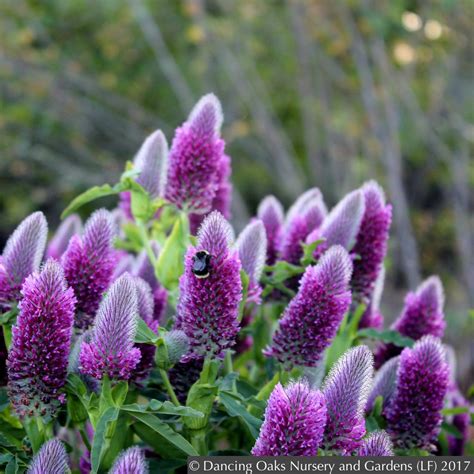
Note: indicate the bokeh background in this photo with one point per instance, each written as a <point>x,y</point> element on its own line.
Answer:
<point>315,92</point>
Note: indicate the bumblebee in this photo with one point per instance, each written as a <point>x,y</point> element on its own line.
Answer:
<point>201,263</point>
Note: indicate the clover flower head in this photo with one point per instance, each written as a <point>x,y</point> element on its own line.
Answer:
<point>270,212</point>
<point>130,461</point>
<point>72,225</point>
<point>346,389</point>
<point>38,358</point>
<point>210,290</point>
<point>377,443</point>
<point>152,163</point>
<point>21,256</point>
<point>111,350</point>
<point>89,263</point>
<point>313,316</point>
<point>50,459</point>
<point>294,422</point>
<point>195,158</point>
<point>414,413</point>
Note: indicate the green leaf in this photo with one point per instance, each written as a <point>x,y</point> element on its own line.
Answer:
<point>162,408</point>
<point>308,252</point>
<point>389,336</point>
<point>164,431</point>
<point>371,424</point>
<point>281,272</point>
<point>235,408</point>
<point>170,262</point>
<point>244,278</point>
<point>9,317</point>
<point>454,411</point>
<point>452,430</point>
<point>102,435</point>
<point>345,336</point>
<point>92,194</point>
<point>144,334</point>
<point>141,205</point>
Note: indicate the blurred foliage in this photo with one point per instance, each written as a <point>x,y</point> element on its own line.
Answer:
<point>83,82</point>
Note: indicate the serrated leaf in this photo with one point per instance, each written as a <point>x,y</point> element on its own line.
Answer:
<point>92,194</point>
<point>235,408</point>
<point>164,431</point>
<point>389,336</point>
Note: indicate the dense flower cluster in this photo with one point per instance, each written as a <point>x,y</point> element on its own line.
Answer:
<point>312,317</point>
<point>422,315</point>
<point>151,333</point>
<point>38,356</point>
<point>208,306</point>
<point>110,351</point>
<point>294,422</point>
<point>413,414</point>
<point>89,263</point>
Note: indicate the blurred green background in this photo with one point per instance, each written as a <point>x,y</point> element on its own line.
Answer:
<point>315,92</point>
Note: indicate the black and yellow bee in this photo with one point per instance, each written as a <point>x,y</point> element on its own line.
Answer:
<point>201,262</point>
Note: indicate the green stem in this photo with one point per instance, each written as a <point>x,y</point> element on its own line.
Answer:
<point>228,368</point>
<point>198,441</point>
<point>85,439</point>
<point>169,387</point>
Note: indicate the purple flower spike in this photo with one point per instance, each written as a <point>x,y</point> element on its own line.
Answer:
<point>252,246</point>
<point>146,312</point>
<point>422,315</point>
<point>270,212</point>
<point>376,444</point>
<point>341,225</point>
<point>311,319</point>
<point>144,269</point>
<point>131,461</point>
<point>111,349</point>
<point>385,382</point>
<point>210,290</point>
<point>455,399</point>
<point>89,263</point>
<point>195,158</point>
<point>72,225</point>
<point>461,421</point>
<point>222,199</point>
<point>294,422</point>
<point>414,414</point>
<point>145,301</point>
<point>372,317</point>
<point>152,162</point>
<point>371,242</point>
<point>346,390</point>
<point>51,459</point>
<point>38,358</point>
<point>22,256</point>
<point>306,215</point>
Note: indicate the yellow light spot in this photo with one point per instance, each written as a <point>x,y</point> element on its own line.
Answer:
<point>195,34</point>
<point>404,53</point>
<point>433,29</point>
<point>411,21</point>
